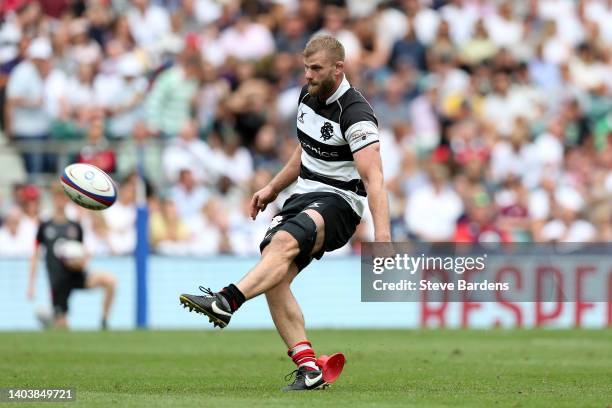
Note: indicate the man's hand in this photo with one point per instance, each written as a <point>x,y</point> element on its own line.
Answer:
<point>261,199</point>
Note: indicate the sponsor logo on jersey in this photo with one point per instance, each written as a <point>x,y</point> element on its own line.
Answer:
<point>318,150</point>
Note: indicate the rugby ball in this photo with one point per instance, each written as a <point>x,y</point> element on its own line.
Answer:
<point>88,186</point>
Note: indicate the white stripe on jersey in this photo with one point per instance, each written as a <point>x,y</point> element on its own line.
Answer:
<point>313,122</point>
<point>338,170</point>
<point>361,134</point>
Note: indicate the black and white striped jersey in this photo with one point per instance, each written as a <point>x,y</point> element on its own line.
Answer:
<point>330,132</point>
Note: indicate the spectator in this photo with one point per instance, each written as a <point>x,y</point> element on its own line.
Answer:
<point>334,19</point>
<point>148,23</point>
<point>211,228</point>
<point>29,120</point>
<point>97,240</point>
<point>438,197</point>
<point>141,145</point>
<point>97,150</point>
<point>187,195</point>
<point>514,157</point>
<point>478,226</point>
<point>409,50</point>
<point>292,36</point>
<point>392,108</point>
<point>480,47</point>
<point>168,105</point>
<point>169,234</point>
<point>461,19</point>
<point>126,105</point>
<point>234,160</point>
<point>16,239</point>
<point>84,50</point>
<point>81,96</point>
<point>265,154</point>
<point>504,30</point>
<point>243,233</point>
<point>28,199</point>
<point>120,219</point>
<point>188,152</point>
<point>512,99</point>
<point>569,226</point>
<point>247,40</point>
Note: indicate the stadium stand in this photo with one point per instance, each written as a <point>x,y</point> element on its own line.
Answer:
<point>498,114</point>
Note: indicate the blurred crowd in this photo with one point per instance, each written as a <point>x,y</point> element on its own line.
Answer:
<point>495,116</point>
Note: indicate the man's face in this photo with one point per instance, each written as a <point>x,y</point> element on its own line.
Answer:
<point>319,71</point>
<point>59,201</point>
<point>43,66</point>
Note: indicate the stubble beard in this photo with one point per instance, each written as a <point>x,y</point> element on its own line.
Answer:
<point>324,87</point>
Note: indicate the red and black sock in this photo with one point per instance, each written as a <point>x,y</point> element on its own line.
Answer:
<point>303,355</point>
<point>234,296</point>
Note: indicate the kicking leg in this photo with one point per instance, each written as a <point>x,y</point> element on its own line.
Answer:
<point>220,306</point>
<point>273,266</point>
<point>278,257</point>
<point>269,272</point>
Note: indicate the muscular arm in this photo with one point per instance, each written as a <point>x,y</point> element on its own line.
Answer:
<point>369,166</point>
<point>289,173</point>
<point>281,181</point>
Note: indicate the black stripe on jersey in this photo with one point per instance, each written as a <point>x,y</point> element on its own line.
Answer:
<point>356,185</point>
<point>329,112</point>
<point>348,109</point>
<point>323,151</point>
<point>365,145</point>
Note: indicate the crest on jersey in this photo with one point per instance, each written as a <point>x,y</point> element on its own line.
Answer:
<point>327,131</point>
<point>301,116</point>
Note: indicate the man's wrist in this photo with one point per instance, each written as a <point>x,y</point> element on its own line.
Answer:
<point>273,187</point>
<point>382,237</point>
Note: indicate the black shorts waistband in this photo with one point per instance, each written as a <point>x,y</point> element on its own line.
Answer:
<point>355,185</point>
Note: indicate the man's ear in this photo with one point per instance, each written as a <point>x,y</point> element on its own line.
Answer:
<point>339,67</point>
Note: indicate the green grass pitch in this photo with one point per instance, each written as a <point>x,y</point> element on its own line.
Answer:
<point>398,368</point>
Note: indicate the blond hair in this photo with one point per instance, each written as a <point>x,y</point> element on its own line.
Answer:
<point>327,43</point>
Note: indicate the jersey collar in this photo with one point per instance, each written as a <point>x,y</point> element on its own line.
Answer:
<point>342,88</point>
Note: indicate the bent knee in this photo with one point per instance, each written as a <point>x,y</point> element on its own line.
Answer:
<point>283,243</point>
<point>104,280</point>
<point>110,281</point>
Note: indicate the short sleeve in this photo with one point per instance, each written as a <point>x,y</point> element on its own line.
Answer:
<point>358,122</point>
<point>361,134</point>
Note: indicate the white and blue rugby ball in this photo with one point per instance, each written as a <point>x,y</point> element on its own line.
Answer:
<point>88,186</point>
